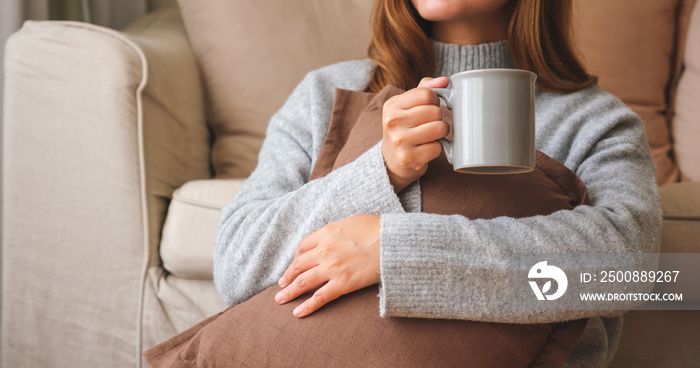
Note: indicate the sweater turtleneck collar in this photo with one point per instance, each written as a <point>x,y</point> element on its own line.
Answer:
<point>452,58</point>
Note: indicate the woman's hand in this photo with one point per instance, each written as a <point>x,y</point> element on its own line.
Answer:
<point>342,254</point>
<point>412,124</point>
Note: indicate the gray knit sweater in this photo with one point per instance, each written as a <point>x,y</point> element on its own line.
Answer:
<point>438,266</point>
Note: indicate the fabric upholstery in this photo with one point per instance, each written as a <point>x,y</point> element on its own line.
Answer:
<point>176,141</point>
<point>632,46</point>
<point>258,332</point>
<point>681,226</point>
<point>176,146</point>
<point>667,339</point>
<point>98,135</point>
<point>189,232</point>
<point>72,168</point>
<point>251,55</point>
<point>182,303</point>
<point>680,230</point>
<point>686,128</point>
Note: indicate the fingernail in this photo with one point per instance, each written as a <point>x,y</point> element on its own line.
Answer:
<point>297,311</point>
<point>279,297</point>
<point>281,282</point>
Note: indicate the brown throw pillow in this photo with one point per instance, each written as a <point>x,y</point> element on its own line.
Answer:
<point>349,331</point>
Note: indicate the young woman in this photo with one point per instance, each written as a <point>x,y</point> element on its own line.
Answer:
<point>361,224</point>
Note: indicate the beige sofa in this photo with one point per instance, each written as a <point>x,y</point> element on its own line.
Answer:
<point>109,204</point>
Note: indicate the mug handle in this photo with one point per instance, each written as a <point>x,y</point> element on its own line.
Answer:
<point>447,146</point>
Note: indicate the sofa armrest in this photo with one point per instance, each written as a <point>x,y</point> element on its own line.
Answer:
<point>681,224</point>
<point>99,127</point>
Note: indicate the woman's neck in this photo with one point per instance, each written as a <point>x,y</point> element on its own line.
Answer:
<point>484,28</point>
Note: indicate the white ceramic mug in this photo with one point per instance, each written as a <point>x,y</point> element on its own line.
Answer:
<point>493,121</point>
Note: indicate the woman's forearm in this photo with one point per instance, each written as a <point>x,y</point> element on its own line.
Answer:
<point>258,234</point>
<point>451,267</point>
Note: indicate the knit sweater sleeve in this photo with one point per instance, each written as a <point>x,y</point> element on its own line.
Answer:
<point>277,206</point>
<point>439,266</point>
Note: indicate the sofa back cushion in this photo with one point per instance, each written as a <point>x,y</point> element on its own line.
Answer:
<point>633,46</point>
<point>686,125</point>
<point>253,53</point>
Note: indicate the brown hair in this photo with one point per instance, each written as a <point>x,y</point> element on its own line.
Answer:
<point>538,37</point>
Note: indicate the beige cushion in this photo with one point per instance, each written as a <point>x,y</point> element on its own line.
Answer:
<point>686,126</point>
<point>681,227</point>
<point>183,302</point>
<point>189,233</point>
<point>253,53</point>
<point>630,45</point>
<point>681,231</point>
<point>659,339</point>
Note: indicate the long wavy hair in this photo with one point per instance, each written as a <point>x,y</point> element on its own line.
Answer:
<point>539,39</point>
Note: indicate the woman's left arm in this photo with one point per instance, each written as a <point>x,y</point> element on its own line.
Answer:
<point>452,267</point>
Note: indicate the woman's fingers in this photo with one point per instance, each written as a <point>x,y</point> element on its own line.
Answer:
<point>412,98</point>
<point>419,115</point>
<point>439,82</point>
<point>408,153</point>
<point>302,262</point>
<point>427,132</point>
<point>428,151</point>
<point>344,255</point>
<point>410,120</point>
<point>304,282</point>
<point>321,297</point>
<point>308,243</point>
